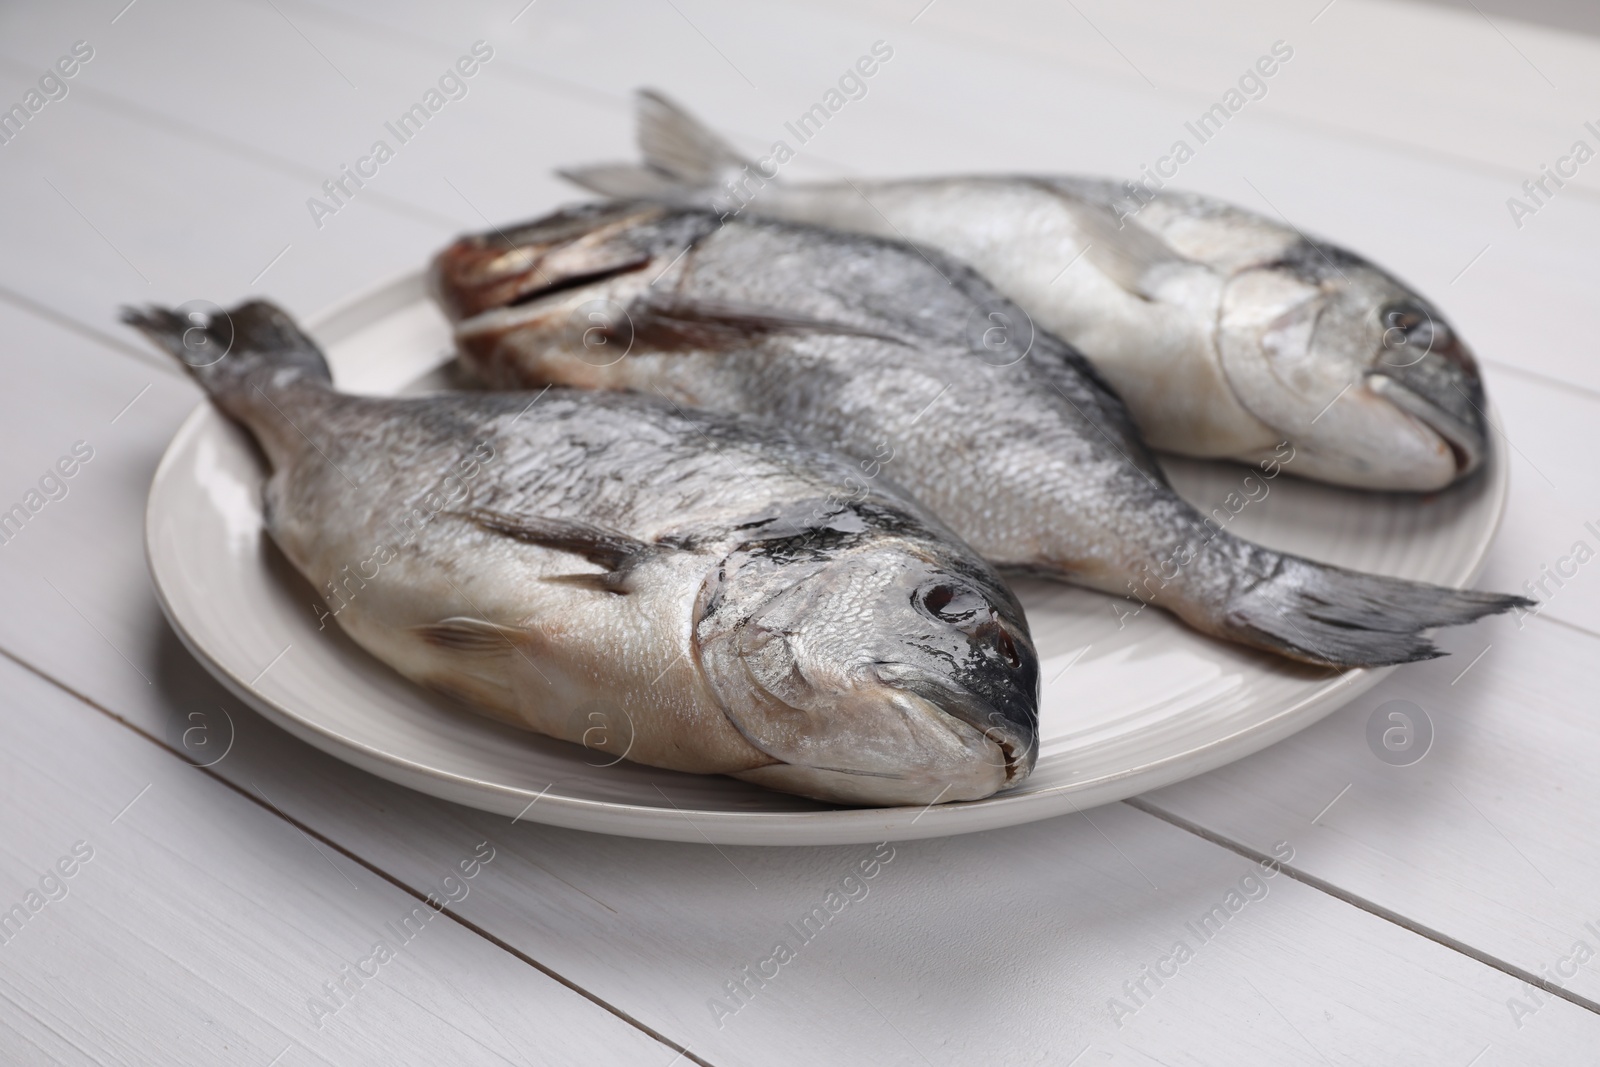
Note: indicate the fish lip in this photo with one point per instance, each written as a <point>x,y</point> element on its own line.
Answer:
<point>1467,443</point>
<point>1013,730</point>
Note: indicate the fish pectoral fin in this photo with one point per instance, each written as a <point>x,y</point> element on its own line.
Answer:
<point>1126,251</point>
<point>462,633</point>
<point>699,325</point>
<point>615,582</point>
<point>616,552</point>
<point>603,547</point>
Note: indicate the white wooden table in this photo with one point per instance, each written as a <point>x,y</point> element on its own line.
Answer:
<point>1440,913</point>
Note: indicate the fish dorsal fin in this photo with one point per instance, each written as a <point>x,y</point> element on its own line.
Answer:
<point>616,552</point>
<point>1126,251</point>
<point>679,145</point>
<point>475,637</point>
<point>684,162</point>
<point>674,324</point>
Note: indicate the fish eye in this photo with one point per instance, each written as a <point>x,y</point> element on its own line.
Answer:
<point>1404,316</point>
<point>968,611</point>
<point>951,604</point>
<point>1413,322</point>
<point>1411,328</point>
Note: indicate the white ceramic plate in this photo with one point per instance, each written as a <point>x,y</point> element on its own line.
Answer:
<point>1129,704</point>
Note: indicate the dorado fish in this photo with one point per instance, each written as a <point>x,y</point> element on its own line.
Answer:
<point>869,346</point>
<point>1225,332</point>
<point>717,587</point>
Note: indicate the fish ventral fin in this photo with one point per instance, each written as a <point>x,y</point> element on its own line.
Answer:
<point>618,553</point>
<point>1126,251</point>
<point>683,159</point>
<point>695,325</point>
<point>474,637</point>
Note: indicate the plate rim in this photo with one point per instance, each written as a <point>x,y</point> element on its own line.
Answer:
<point>827,827</point>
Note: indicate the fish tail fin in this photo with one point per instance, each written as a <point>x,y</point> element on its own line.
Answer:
<point>255,344</point>
<point>684,161</point>
<point>1327,615</point>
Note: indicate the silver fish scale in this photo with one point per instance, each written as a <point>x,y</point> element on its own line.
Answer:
<point>611,460</point>
<point>986,448</point>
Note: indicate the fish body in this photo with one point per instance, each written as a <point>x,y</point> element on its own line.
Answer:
<point>890,353</point>
<point>684,589</point>
<point>1225,332</point>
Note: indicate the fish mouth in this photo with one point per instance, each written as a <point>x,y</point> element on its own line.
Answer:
<point>1424,370</point>
<point>566,250</point>
<point>972,758</point>
<point>1008,724</point>
<point>1460,423</point>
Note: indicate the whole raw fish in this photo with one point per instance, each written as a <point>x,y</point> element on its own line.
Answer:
<point>686,589</point>
<point>876,348</point>
<point>1225,332</point>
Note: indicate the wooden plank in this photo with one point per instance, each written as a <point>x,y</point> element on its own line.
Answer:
<point>1559,14</point>
<point>287,105</point>
<point>657,928</point>
<point>1043,925</point>
<point>165,917</point>
<point>106,212</point>
<point>1476,840</point>
<point>1479,97</point>
<point>1551,530</point>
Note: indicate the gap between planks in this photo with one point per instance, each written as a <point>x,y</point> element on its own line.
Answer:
<point>1373,908</point>
<point>465,923</point>
<point>1541,378</point>
<point>62,321</point>
<point>105,101</point>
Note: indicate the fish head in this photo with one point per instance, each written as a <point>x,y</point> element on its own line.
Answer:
<point>577,247</point>
<point>874,669</point>
<point>554,300</point>
<point>1366,379</point>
